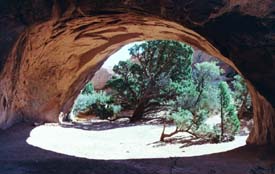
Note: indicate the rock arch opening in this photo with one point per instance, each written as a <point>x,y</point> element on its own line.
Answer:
<point>106,72</point>
<point>50,48</point>
<point>69,52</point>
<point>94,137</point>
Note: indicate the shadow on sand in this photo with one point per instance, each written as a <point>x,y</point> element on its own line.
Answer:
<point>18,157</point>
<point>101,125</point>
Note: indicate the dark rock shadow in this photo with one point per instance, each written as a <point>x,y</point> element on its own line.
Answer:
<point>18,157</point>
<point>101,125</point>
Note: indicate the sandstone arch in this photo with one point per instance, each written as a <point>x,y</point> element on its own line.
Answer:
<point>51,61</point>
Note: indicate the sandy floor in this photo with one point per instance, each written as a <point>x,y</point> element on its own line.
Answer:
<point>135,142</point>
<point>19,157</point>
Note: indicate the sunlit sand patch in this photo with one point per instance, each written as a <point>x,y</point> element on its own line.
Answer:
<point>136,142</point>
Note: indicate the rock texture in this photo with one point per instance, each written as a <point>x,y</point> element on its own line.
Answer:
<point>264,119</point>
<point>50,49</point>
<point>200,56</point>
<point>101,77</point>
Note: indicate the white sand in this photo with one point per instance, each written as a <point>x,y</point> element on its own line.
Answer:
<point>120,143</point>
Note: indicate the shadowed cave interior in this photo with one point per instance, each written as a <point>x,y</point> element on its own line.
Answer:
<point>49,49</point>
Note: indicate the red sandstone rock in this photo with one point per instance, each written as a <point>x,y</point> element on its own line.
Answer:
<point>101,77</point>
<point>50,50</point>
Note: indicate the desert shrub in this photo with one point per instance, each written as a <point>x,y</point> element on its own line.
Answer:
<point>197,99</point>
<point>92,102</point>
<point>241,96</point>
<point>230,123</point>
<point>200,96</point>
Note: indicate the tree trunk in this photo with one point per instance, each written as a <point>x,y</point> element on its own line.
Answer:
<point>222,120</point>
<point>163,135</point>
<point>138,113</point>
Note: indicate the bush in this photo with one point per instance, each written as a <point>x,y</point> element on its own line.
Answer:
<point>182,119</point>
<point>230,123</point>
<point>88,89</point>
<point>241,96</point>
<point>92,102</point>
<point>203,94</point>
<point>192,107</point>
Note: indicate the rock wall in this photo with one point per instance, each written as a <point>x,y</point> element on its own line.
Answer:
<point>44,72</point>
<point>264,120</point>
<point>52,48</point>
<point>101,77</point>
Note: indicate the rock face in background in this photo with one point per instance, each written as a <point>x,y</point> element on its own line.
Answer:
<point>200,56</point>
<point>50,49</point>
<point>101,77</point>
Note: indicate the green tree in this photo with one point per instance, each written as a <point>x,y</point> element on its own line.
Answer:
<point>241,96</point>
<point>198,96</point>
<point>146,84</point>
<point>202,95</point>
<point>229,119</point>
<point>91,102</point>
<point>206,77</point>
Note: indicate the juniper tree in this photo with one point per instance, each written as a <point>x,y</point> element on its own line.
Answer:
<point>146,84</point>
<point>229,120</point>
<point>241,96</point>
<point>197,98</point>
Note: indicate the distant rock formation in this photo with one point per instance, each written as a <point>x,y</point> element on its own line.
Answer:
<point>101,77</point>
<point>200,56</point>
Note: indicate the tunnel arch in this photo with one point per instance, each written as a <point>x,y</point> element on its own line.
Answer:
<point>138,28</point>
<point>51,62</point>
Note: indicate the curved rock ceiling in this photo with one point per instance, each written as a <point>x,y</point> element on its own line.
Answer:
<point>49,49</point>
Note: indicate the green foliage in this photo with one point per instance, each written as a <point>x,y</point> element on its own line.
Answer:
<point>241,95</point>
<point>193,123</point>
<point>230,123</point>
<point>82,102</point>
<point>162,76</point>
<point>187,94</point>
<point>99,103</point>
<point>206,76</point>
<point>239,85</point>
<point>200,96</point>
<point>197,91</point>
<point>182,118</point>
<point>126,82</point>
<point>149,82</point>
<point>88,89</point>
<point>192,106</point>
<point>207,72</point>
<point>225,96</point>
